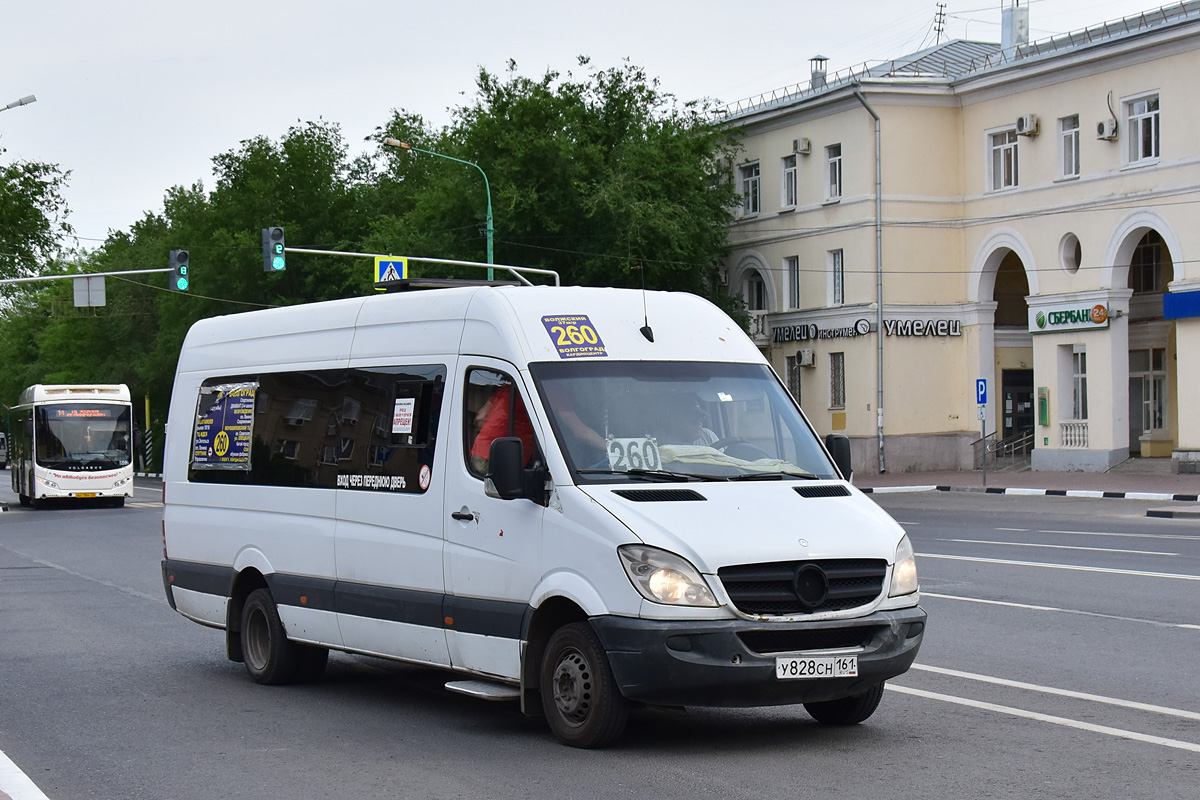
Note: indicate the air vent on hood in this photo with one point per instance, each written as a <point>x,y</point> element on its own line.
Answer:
<point>659,495</point>
<point>826,490</point>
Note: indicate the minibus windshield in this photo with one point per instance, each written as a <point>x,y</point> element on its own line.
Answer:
<point>677,421</point>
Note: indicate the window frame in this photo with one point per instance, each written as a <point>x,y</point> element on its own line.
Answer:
<point>1079,396</point>
<point>833,173</point>
<point>789,195</point>
<point>1135,124</point>
<point>999,168</point>
<point>837,277</point>
<point>750,177</point>
<point>1068,150</point>
<point>837,380</point>
<point>791,268</point>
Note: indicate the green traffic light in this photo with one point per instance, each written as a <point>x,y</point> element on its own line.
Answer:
<point>277,262</point>
<point>181,284</point>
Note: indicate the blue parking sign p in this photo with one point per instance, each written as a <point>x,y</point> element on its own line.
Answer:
<point>981,391</point>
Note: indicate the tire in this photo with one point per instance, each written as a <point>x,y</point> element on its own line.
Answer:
<point>117,502</point>
<point>269,657</point>
<point>24,498</point>
<point>847,710</point>
<point>580,697</point>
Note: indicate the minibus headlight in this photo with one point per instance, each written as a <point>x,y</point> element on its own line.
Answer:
<point>904,573</point>
<point>663,577</point>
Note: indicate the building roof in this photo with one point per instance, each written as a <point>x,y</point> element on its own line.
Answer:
<point>960,58</point>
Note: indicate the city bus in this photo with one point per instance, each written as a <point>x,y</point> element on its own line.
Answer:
<point>73,442</point>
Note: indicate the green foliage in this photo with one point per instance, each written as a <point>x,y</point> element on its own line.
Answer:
<point>605,178</point>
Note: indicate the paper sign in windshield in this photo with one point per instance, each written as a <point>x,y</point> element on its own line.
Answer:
<point>224,427</point>
<point>574,336</point>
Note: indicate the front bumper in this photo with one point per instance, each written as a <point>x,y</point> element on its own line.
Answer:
<point>710,664</point>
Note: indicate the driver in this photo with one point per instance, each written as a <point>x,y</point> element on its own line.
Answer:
<point>686,426</point>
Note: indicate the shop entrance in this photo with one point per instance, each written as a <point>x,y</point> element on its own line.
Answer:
<point>1016,390</point>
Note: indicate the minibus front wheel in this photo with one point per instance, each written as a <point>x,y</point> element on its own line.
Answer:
<point>847,710</point>
<point>579,694</point>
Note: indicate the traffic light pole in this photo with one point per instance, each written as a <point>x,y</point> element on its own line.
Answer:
<point>82,275</point>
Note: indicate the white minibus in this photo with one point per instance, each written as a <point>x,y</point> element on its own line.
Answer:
<point>583,499</point>
<point>72,441</point>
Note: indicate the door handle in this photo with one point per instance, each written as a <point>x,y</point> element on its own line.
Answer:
<point>464,515</point>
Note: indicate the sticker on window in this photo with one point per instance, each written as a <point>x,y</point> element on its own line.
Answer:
<point>402,414</point>
<point>574,336</point>
<point>224,427</point>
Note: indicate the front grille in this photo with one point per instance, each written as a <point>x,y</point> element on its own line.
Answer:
<point>768,642</point>
<point>771,588</point>
<point>823,490</point>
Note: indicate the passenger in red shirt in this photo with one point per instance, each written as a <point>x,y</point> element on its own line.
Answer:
<point>493,419</point>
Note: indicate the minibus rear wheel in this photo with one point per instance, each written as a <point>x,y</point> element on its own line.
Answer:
<point>270,658</point>
<point>847,710</point>
<point>580,697</point>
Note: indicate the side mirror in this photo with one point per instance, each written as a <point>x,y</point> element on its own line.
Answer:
<point>506,468</point>
<point>838,445</point>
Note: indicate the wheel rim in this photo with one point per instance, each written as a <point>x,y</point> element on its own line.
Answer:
<point>572,687</point>
<point>258,639</point>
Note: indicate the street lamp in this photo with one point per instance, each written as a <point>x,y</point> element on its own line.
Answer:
<point>24,101</point>
<point>390,142</point>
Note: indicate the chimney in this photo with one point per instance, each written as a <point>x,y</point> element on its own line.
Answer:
<point>1014,28</point>
<point>818,71</point>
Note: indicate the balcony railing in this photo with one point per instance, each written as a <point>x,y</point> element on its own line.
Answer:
<point>1073,434</point>
<point>759,331</point>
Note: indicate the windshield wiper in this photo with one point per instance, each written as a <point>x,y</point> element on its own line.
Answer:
<point>652,474</point>
<point>773,476</point>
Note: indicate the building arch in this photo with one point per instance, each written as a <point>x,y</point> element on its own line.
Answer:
<point>752,265</point>
<point>988,257</point>
<point>1125,239</point>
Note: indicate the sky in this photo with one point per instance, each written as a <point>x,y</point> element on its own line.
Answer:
<point>137,96</point>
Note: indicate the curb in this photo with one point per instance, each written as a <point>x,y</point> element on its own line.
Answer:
<point>147,474</point>
<point>1185,498</point>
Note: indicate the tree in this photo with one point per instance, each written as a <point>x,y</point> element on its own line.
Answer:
<point>606,179</point>
<point>32,216</point>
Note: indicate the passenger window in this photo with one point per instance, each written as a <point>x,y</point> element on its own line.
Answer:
<point>494,409</point>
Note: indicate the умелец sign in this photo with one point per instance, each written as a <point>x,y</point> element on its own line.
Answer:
<point>1068,317</point>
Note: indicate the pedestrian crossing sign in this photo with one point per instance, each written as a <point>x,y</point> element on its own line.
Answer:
<point>390,268</point>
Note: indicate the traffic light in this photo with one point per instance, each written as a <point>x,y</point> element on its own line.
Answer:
<point>273,250</point>
<point>180,278</point>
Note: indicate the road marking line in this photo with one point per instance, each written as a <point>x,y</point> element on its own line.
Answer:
<point>1017,530</point>
<point>125,589</point>
<point>1064,721</point>
<point>1127,535</point>
<point>1061,547</point>
<point>1062,611</point>
<point>1095,698</point>
<point>1106,570</point>
<point>16,783</point>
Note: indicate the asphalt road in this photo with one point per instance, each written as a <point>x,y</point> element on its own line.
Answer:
<point>1060,661</point>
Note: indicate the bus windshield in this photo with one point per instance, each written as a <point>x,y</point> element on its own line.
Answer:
<point>678,421</point>
<point>83,436</point>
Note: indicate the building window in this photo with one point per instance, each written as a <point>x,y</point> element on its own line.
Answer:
<point>791,265</point>
<point>793,377</point>
<point>1003,161</point>
<point>789,182</point>
<point>837,380</point>
<point>749,176</point>
<point>837,279</point>
<point>755,292</point>
<point>1079,385</point>
<point>1143,128</point>
<point>833,171</point>
<point>1068,132</point>
<point>1146,265</point>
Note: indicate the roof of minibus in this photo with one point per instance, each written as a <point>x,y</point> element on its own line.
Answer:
<point>519,324</point>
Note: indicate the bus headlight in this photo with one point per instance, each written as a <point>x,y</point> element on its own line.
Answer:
<point>663,577</point>
<point>904,573</point>
<point>48,483</point>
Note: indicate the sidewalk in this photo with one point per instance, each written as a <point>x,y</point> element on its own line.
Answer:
<point>1138,478</point>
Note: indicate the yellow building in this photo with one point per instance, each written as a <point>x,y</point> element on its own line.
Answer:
<point>1025,211</point>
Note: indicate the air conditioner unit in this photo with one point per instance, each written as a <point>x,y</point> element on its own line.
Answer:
<point>802,146</point>
<point>805,358</point>
<point>1106,129</point>
<point>1027,125</point>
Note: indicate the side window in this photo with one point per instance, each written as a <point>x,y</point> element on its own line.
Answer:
<point>493,409</point>
<point>372,429</point>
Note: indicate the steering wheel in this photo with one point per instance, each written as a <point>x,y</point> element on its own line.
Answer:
<point>739,448</point>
